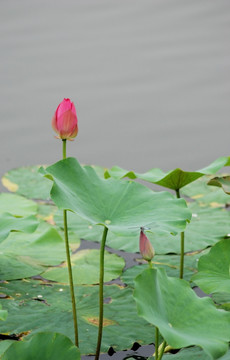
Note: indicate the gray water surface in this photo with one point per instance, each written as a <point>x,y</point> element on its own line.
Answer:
<point>150,81</point>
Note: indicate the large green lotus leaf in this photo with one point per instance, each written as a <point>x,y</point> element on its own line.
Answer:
<point>171,264</point>
<point>85,267</point>
<point>192,353</point>
<point>17,205</point>
<point>24,255</point>
<point>86,230</point>
<point>183,319</point>
<point>18,267</point>
<point>118,205</point>
<point>174,179</point>
<point>207,226</point>
<point>28,182</point>
<point>45,346</point>
<point>10,223</point>
<point>35,306</point>
<point>204,194</point>
<point>213,269</point>
<point>222,182</point>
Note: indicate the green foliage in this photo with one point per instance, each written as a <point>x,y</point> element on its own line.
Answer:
<point>213,269</point>
<point>223,182</point>
<point>121,206</point>
<point>28,182</point>
<point>193,353</point>
<point>10,223</point>
<point>174,179</point>
<point>24,255</point>
<point>40,306</point>
<point>182,317</point>
<point>85,268</point>
<point>206,195</point>
<point>3,314</point>
<point>30,247</point>
<point>17,205</point>
<point>45,346</point>
<point>207,226</point>
<point>171,264</point>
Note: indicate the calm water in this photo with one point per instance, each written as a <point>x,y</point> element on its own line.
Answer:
<point>150,81</point>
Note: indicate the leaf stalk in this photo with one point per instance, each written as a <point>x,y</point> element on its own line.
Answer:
<point>101,288</point>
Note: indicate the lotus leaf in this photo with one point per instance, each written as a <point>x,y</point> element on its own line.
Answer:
<point>45,346</point>
<point>174,179</point>
<point>182,317</point>
<point>36,306</point>
<point>213,269</point>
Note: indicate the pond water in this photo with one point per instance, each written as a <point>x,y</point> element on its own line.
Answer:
<point>150,80</point>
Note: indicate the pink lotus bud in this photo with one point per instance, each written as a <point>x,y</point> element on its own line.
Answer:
<point>64,121</point>
<point>146,248</point>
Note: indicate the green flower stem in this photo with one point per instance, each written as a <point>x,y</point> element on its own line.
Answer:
<point>156,342</point>
<point>101,283</point>
<point>69,262</point>
<point>156,328</point>
<point>150,264</point>
<point>64,148</point>
<point>162,348</point>
<point>181,245</point>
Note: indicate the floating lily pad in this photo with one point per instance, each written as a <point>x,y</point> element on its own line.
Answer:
<point>35,306</point>
<point>118,205</point>
<point>28,182</point>
<point>213,269</point>
<point>10,223</point>
<point>171,264</point>
<point>85,268</point>
<point>46,346</point>
<point>46,212</point>
<point>174,179</point>
<point>192,353</point>
<point>204,194</point>
<point>222,182</point>
<point>222,299</point>
<point>182,317</point>
<point>17,205</point>
<point>207,227</point>
<point>24,255</point>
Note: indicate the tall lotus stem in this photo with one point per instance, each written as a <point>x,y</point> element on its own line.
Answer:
<point>69,262</point>
<point>156,328</point>
<point>181,245</point>
<point>101,286</point>
<point>156,342</point>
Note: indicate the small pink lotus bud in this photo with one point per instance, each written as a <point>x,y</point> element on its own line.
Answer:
<point>64,121</point>
<point>146,248</point>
